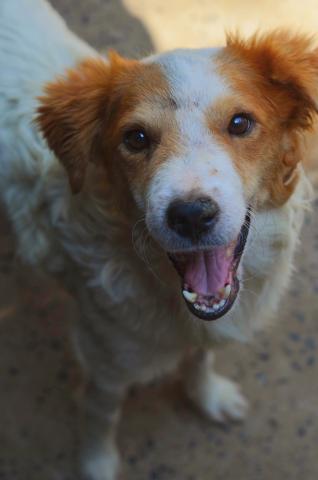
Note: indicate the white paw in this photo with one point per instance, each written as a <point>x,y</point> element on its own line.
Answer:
<point>102,466</point>
<point>220,399</point>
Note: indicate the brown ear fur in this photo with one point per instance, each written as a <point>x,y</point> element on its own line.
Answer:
<point>72,112</point>
<point>287,65</point>
<point>284,72</point>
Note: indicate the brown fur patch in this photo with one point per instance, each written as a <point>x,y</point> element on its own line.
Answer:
<point>80,113</point>
<point>274,78</point>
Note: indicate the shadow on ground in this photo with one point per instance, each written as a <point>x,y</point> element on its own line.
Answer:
<point>107,24</point>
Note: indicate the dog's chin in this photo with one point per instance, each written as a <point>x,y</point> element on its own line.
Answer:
<point>209,276</point>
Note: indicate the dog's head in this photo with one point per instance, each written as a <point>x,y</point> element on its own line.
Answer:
<point>195,139</point>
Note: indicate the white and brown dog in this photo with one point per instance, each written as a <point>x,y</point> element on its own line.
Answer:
<point>190,194</point>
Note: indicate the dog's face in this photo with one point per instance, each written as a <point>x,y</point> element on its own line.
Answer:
<point>196,139</point>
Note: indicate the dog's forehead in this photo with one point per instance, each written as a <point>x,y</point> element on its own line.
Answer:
<point>192,76</point>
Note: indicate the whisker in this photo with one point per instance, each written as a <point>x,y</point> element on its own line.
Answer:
<point>249,291</point>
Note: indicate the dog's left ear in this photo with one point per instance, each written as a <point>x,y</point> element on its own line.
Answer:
<point>287,68</point>
<point>74,109</point>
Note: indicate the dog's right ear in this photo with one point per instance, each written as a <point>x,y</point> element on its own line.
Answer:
<point>73,111</point>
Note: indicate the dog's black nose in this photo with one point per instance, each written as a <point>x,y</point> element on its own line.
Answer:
<point>192,219</point>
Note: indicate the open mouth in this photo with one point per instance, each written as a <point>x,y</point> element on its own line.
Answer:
<point>209,277</point>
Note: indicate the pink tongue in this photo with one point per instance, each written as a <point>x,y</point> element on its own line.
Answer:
<point>206,272</point>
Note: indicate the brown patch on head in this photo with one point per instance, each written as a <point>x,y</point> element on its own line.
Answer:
<point>153,113</point>
<point>274,78</point>
<point>80,113</point>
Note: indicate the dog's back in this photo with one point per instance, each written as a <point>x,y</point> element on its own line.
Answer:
<point>35,46</point>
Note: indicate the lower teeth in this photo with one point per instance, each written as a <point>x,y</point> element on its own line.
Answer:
<point>219,300</point>
<point>210,305</point>
<point>211,308</point>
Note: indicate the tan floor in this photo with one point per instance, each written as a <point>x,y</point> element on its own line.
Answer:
<point>161,437</point>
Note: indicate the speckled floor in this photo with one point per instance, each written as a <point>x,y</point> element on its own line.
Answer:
<point>161,437</point>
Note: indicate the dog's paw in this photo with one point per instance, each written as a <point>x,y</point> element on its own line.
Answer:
<point>225,401</point>
<point>220,399</point>
<point>101,465</point>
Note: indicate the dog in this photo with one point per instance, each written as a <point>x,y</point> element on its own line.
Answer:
<point>167,194</point>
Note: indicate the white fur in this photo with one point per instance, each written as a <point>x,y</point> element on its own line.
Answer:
<point>189,90</point>
<point>102,464</point>
<point>132,325</point>
<point>195,85</point>
<point>179,177</point>
<point>217,397</point>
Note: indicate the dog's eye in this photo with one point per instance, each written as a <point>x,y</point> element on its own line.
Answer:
<point>136,140</point>
<point>240,124</point>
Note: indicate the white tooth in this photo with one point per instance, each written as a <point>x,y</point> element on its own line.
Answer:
<point>190,296</point>
<point>215,307</point>
<point>222,303</point>
<point>203,307</point>
<point>196,306</point>
<point>227,291</point>
<point>209,310</point>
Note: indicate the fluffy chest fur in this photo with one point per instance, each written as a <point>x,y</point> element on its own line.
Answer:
<point>139,287</point>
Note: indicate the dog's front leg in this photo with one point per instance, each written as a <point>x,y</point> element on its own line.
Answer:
<point>99,458</point>
<point>216,396</point>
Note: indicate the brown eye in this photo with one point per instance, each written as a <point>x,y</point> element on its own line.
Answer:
<point>240,124</point>
<point>136,140</point>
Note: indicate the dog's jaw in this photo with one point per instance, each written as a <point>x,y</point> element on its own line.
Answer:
<point>210,284</point>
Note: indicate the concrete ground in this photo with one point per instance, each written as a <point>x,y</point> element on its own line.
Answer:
<point>161,437</point>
